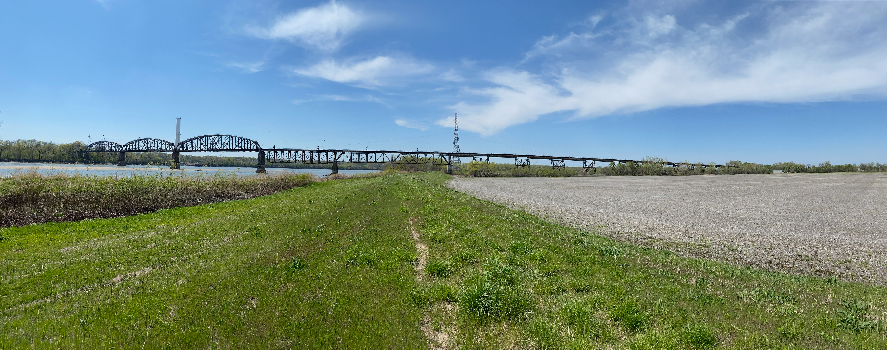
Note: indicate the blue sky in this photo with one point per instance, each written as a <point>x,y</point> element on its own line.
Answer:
<point>802,81</point>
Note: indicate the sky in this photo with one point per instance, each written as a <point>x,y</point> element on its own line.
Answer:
<point>684,80</point>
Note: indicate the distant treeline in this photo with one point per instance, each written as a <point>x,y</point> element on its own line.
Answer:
<point>33,151</point>
<point>649,167</point>
<point>48,152</point>
<point>827,167</point>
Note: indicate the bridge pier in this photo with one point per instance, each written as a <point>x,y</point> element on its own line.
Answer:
<point>121,158</point>
<point>260,165</point>
<point>335,167</point>
<point>450,165</point>
<point>175,160</point>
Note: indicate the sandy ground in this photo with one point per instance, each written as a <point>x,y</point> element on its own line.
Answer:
<point>820,224</point>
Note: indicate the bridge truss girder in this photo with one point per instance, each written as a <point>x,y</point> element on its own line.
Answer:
<point>232,143</point>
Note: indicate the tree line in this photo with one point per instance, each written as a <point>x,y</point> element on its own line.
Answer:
<point>33,151</point>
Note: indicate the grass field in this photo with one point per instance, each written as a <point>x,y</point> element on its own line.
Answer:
<point>398,261</point>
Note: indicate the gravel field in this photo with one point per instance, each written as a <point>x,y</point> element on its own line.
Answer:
<point>820,224</point>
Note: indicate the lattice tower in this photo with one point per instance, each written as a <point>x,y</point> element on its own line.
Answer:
<point>456,135</point>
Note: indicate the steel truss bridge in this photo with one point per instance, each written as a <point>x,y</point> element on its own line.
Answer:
<point>231,143</point>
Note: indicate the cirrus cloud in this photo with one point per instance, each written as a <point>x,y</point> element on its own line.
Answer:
<point>811,53</point>
<point>377,71</point>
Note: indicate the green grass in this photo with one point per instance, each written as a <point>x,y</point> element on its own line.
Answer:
<point>331,265</point>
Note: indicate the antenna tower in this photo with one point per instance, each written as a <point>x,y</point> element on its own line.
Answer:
<point>456,135</point>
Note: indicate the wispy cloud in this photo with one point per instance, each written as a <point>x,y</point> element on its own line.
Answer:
<point>377,71</point>
<point>247,67</point>
<point>341,98</point>
<point>553,45</point>
<point>451,75</point>
<point>820,51</point>
<point>324,27</point>
<point>410,124</point>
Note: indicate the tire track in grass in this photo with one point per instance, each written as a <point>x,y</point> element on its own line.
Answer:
<point>438,339</point>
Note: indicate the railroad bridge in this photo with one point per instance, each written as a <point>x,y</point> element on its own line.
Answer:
<point>231,143</point>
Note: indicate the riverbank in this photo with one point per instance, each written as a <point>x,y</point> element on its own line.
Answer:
<point>398,262</point>
<point>31,198</point>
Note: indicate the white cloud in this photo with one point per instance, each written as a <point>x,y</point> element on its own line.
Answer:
<point>410,124</point>
<point>378,71</point>
<point>341,98</point>
<point>820,52</point>
<point>451,75</point>
<point>323,27</point>
<point>594,20</point>
<point>247,67</point>
<point>660,26</point>
<point>552,45</point>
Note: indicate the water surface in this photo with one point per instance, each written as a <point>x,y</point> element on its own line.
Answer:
<point>12,168</point>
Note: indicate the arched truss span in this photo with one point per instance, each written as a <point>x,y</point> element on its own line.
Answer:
<point>149,145</point>
<point>218,143</point>
<point>104,146</point>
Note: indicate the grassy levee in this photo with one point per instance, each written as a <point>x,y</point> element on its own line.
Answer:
<point>326,266</point>
<point>331,265</point>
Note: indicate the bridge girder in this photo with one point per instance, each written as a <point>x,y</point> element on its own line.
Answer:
<point>104,146</point>
<point>149,145</point>
<point>219,143</point>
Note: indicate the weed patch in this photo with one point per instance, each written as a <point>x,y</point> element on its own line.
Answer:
<point>855,316</point>
<point>699,336</point>
<point>489,300</point>
<point>630,316</point>
<point>439,269</point>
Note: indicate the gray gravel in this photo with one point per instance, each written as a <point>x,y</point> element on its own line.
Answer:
<point>820,224</point>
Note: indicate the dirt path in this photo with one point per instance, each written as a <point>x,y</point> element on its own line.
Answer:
<point>438,339</point>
